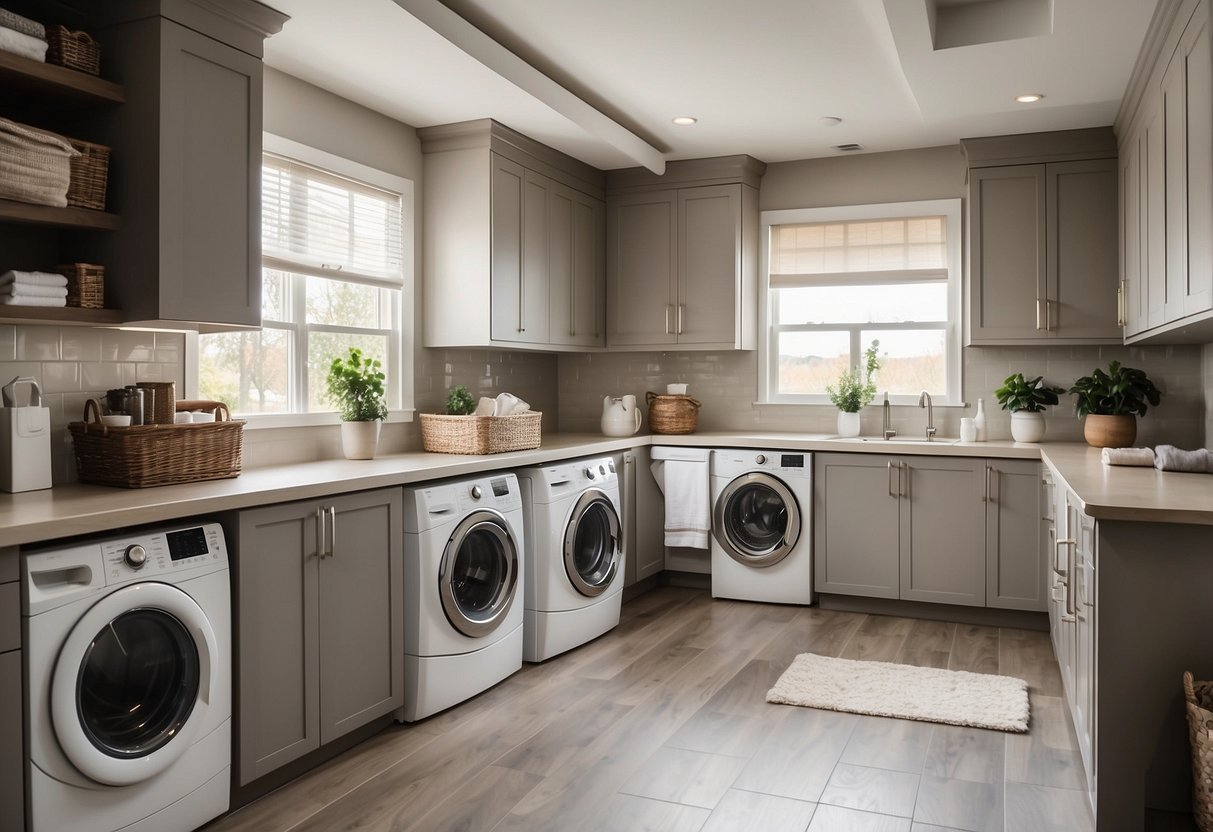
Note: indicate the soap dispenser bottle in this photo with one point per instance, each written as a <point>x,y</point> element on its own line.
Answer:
<point>979,420</point>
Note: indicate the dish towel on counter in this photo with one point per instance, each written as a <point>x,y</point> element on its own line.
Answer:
<point>1171,458</point>
<point>33,289</point>
<point>19,43</point>
<point>1143,457</point>
<point>682,475</point>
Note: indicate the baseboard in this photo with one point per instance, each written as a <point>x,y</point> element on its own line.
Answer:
<point>641,587</point>
<point>692,580</point>
<point>984,616</point>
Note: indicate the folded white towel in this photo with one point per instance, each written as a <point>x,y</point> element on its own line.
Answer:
<point>486,406</point>
<point>26,300</point>
<point>25,290</point>
<point>1171,458</point>
<point>1143,457</point>
<point>688,506</point>
<point>33,278</point>
<point>12,20</point>
<point>19,43</point>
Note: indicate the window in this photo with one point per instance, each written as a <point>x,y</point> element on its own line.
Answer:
<point>336,273</point>
<point>837,279</point>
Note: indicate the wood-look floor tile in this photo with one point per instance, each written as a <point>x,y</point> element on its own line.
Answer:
<point>882,742</point>
<point>878,639</point>
<point>1048,754</point>
<point>930,827</point>
<point>872,790</point>
<point>960,804</point>
<point>799,754</point>
<point>692,778</point>
<point>838,819</point>
<point>741,811</point>
<point>966,754</point>
<point>614,653</point>
<point>1028,655</point>
<point>719,733</point>
<point>812,630</point>
<point>480,802</point>
<point>1032,808</point>
<point>928,644</point>
<point>640,814</point>
<point>746,693</point>
<point>650,671</point>
<point>975,649</point>
<point>549,750</point>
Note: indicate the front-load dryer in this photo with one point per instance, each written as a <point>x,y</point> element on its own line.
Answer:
<point>464,568</point>
<point>574,585</point>
<point>128,641</point>
<point>762,542</point>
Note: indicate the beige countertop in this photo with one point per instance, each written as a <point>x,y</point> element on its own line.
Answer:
<point>64,511</point>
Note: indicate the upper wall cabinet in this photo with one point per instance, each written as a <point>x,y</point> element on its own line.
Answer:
<point>515,237</point>
<point>1042,239</point>
<point>1166,181</point>
<point>187,160</point>
<point>682,255</point>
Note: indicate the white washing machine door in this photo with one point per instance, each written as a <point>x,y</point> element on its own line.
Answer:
<point>478,576</point>
<point>757,520</point>
<point>592,543</point>
<point>132,683</point>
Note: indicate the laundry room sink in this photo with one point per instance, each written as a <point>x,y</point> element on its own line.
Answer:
<point>897,440</point>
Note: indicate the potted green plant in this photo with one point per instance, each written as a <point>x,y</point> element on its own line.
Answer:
<point>854,391</point>
<point>1111,402</point>
<point>459,402</point>
<point>1026,399</point>
<point>355,385</point>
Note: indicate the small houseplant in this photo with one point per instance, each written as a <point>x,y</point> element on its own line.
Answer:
<point>1111,402</point>
<point>854,391</point>
<point>459,402</point>
<point>355,385</point>
<point>1026,399</point>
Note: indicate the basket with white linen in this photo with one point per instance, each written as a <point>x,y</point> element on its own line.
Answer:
<point>481,434</point>
<point>35,165</point>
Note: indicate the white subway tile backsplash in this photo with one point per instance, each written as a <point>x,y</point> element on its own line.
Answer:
<point>80,344</point>
<point>60,377</point>
<point>127,345</point>
<point>37,343</point>
<point>100,376</point>
<point>8,342</point>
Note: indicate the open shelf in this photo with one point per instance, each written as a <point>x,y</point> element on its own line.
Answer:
<point>85,218</point>
<point>20,76</point>
<point>60,316</point>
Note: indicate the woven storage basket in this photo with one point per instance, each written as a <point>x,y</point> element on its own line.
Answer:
<point>90,171</point>
<point>35,165</point>
<point>147,455</point>
<point>74,50</point>
<point>163,395</point>
<point>1198,700</point>
<point>672,414</point>
<point>85,284</point>
<point>480,434</point>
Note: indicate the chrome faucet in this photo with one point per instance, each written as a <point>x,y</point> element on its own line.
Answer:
<point>889,433</point>
<point>925,401</point>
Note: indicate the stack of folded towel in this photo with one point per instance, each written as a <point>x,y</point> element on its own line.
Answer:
<point>22,36</point>
<point>1164,458</point>
<point>33,289</point>
<point>506,404</point>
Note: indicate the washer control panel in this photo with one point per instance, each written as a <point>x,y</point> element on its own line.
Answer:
<point>160,552</point>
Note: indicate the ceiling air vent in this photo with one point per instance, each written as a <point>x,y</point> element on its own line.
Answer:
<point>848,147</point>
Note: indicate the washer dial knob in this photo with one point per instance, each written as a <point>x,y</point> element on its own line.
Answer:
<point>761,459</point>
<point>477,493</point>
<point>590,474</point>
<point>135,556</point>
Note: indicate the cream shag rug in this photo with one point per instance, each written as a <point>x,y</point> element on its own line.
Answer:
<point>956,697</point>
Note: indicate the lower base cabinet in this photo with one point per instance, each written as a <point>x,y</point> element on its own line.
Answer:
<point>643,517</point>
<point>319,600</point>
<point>12,748</point>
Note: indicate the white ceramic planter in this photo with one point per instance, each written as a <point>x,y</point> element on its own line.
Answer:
<point>1027,426</point>
<point>360,440</point>
<point>848,423</point>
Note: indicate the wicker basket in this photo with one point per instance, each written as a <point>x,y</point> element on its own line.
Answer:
<point>163,397</point>
<point>35,165</point>
<point>672,414</point>
<point>90,171</point>
<point>138,457</point>
<point>1198,700</point>
<point>480,434</point>
<point>74,50</point>
<point>85,284</point>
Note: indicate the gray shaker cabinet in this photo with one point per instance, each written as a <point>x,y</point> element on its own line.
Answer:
<point>643,517</point>
<point>642,262</point>
<point>12,748</point>
<point>1016,509</point>
<point>856,524</point>
<point>943,557</point>
<point>319,605</point>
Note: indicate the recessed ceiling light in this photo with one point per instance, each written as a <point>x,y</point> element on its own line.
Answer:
<point>684,121</point>
<point>1029,97</point>
<point>829,121</point>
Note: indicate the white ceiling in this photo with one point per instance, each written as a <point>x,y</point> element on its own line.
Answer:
<point>758,75</point>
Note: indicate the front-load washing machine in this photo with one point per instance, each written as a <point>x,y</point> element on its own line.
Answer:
<point>128,641</point>
<point>574,583</point>
<point>464,565</point>
<point>762,542</point>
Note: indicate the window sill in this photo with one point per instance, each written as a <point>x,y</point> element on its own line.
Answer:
<point>262,421</point>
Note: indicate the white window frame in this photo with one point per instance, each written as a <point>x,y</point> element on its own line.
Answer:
<point>401,349</point>
<point>767,362</point>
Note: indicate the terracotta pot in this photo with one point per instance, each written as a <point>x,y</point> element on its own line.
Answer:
<point>360,440</point>
<point>1110,431</point>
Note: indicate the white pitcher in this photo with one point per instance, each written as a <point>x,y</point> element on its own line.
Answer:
<point>620,416</point>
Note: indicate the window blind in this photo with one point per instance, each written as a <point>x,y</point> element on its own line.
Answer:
<point>884,250</point>
<point>320,224</point>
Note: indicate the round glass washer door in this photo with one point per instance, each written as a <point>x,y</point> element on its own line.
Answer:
<point>478,575</point>
<point>132,683</point>
<point>756,520</point>
<point>592,543</point>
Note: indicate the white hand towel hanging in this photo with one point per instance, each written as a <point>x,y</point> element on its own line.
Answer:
<point>682,475</point>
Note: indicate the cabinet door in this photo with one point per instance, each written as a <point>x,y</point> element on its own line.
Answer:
<point>1083,706</point>
<point>1007,254</point>
<point>1131,233</point>
<point>361,609</point>
<point>276,588</point>
<point>648,553</point>
<point>507,232</point>
<point>642,268</point>
<point>856,524</point>
<point>1016,563</point>
<point>1198,76</point>
<point>1155,203</point>
<point>943,531</point>
<point>709,265</point>
<point>576,268</point>
<point>1175,190</point>
<point>12,756</point>
<point>1082,267</point>
<point>210,173</point>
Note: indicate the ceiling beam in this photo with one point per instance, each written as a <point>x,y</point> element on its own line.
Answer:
<point>509,66</point>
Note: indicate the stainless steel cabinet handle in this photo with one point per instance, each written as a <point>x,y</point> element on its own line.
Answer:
<point>1120,304</point>
<point>680,319</point>
<point>321,533</point>
<point>1070,580</point>
<point>990,495</point>
<point>332,530</point>
<point>1038,326</point>
<point>1048,316</point>
<point>667,320</point>
<point>1057,544</point>
<point>893,493</point>
<point>905,466</point>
